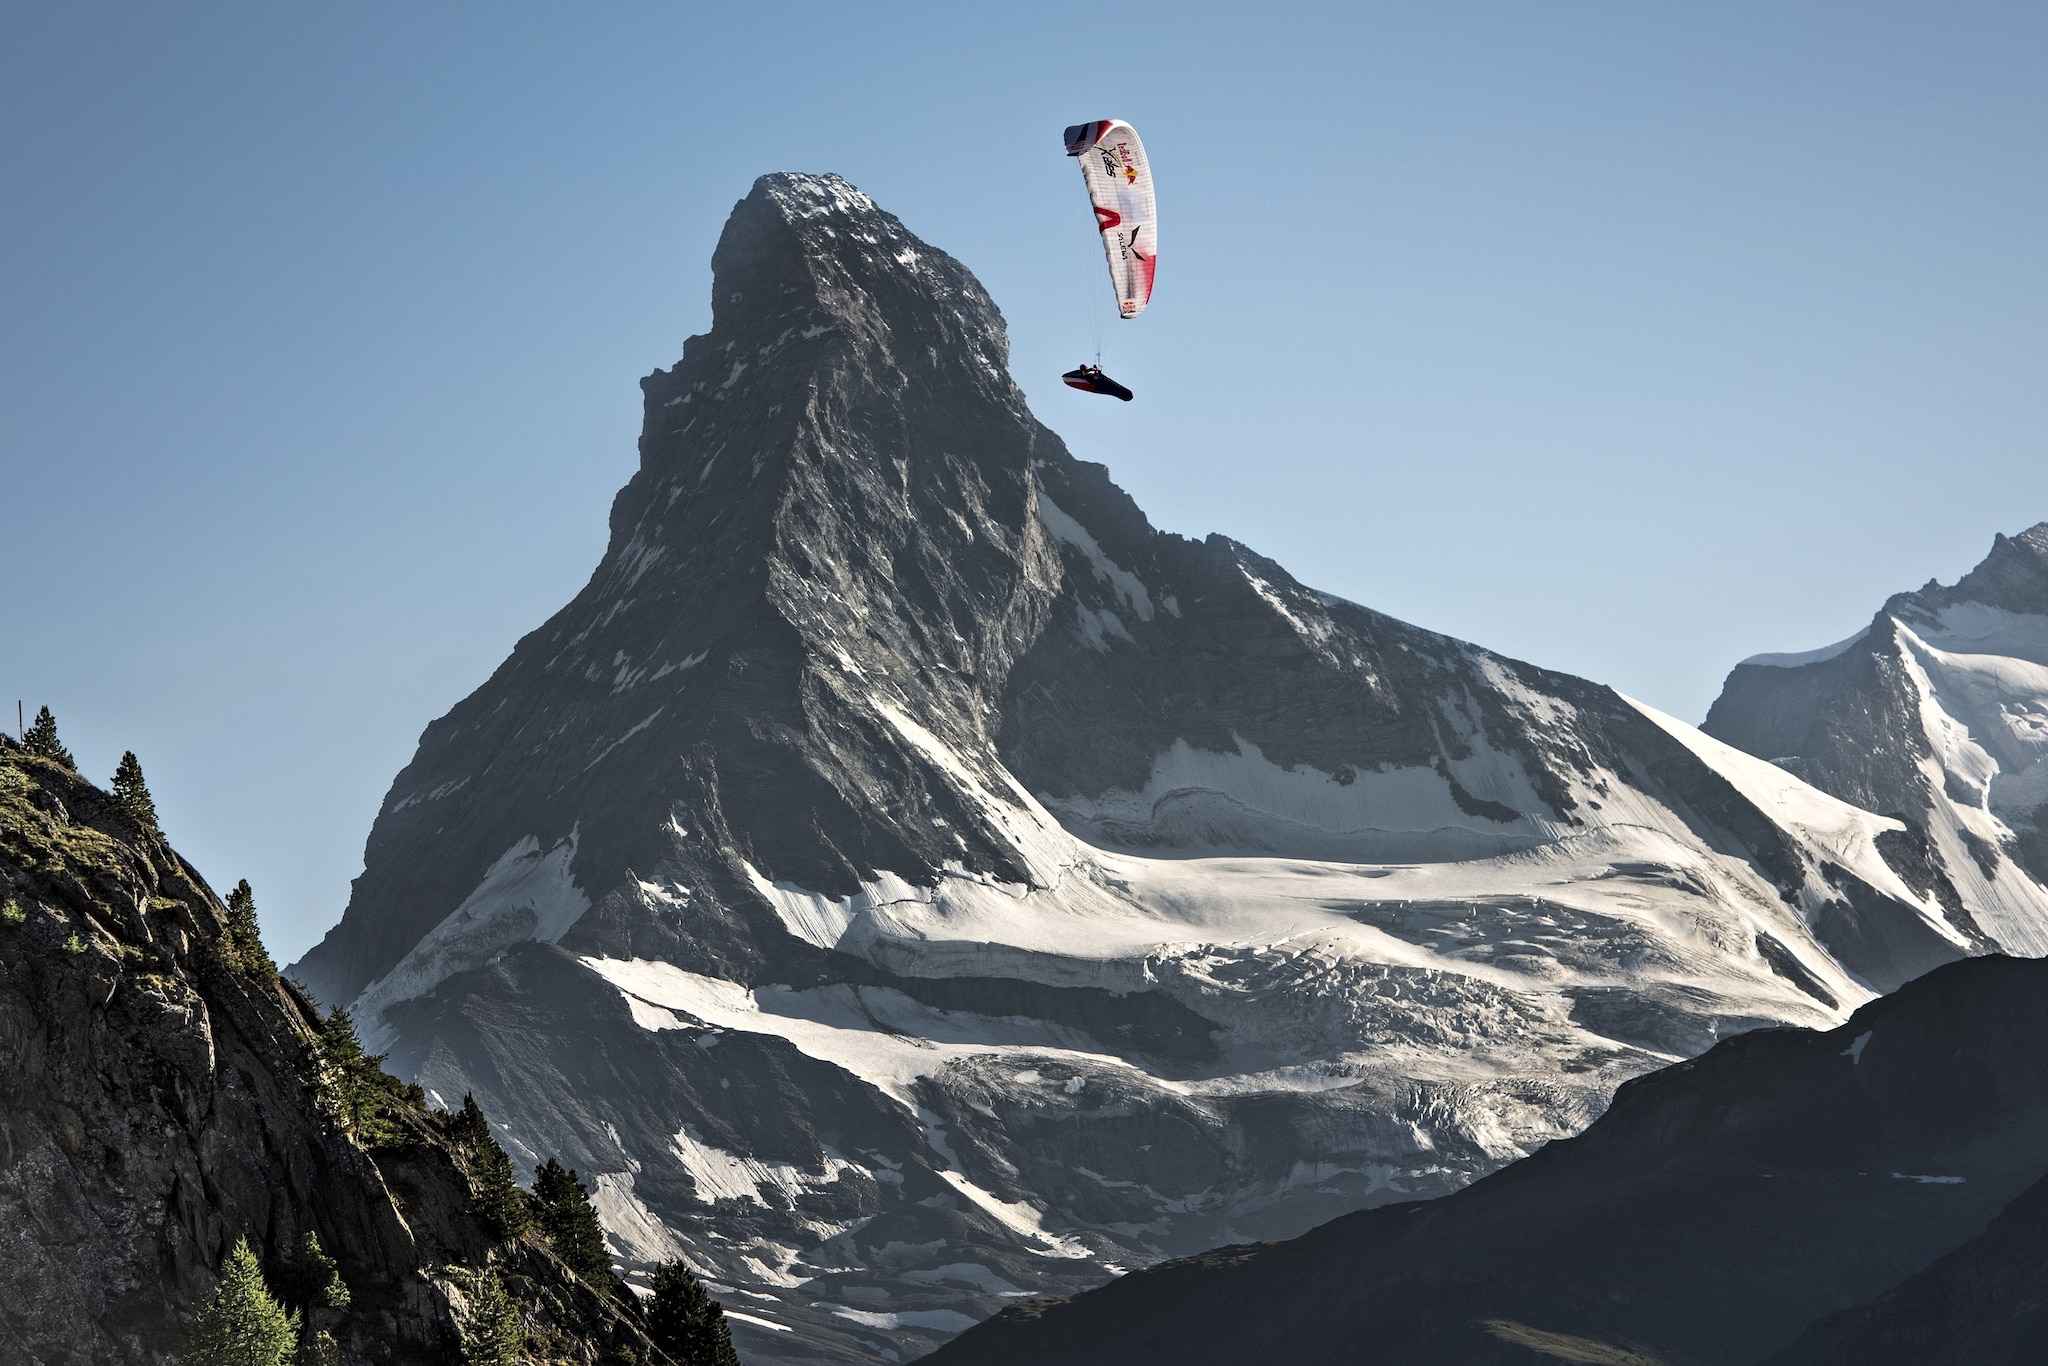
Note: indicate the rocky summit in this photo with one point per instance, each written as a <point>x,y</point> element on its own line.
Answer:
<point>909,882</point>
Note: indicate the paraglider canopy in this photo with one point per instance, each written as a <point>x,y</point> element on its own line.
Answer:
<point>1119,185</point>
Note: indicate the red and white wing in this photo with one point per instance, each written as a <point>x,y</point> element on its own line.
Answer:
<point>1119,184</point>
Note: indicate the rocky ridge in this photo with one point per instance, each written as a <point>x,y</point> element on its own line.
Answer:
<point>160,1097</point>
<point>910,882</point>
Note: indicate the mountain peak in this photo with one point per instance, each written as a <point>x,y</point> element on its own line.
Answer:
<point>901,857</point>
<point>2014,576</point>
<point>806,260</point>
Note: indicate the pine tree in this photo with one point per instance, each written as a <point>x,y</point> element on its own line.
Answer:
<point>131,794</point>
<point>312,1279</point>
<point>565,1214</point>
<point>354,1081</point>
<point>318,1349</point>
<point>242,939</point>
<point>493,1337</point>
<point>686,1322</point>
<point>498,1201</point>
<point>240,1324</point>
<point>42,739</point>
<point>467,1127</point>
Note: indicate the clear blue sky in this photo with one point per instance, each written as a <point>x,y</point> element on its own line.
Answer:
<point>1626,338</point>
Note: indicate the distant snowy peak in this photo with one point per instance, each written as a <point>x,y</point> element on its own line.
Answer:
<point>1936,712</point>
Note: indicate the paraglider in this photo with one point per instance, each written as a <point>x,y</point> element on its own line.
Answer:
<point>1090,379</point>
<point>1119,183</point>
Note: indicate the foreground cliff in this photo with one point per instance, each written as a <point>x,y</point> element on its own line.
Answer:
<point>162,1095</point>
<point>908,881</point>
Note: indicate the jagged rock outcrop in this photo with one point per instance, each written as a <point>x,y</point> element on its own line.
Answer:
<point>908,881</point>
<point>1715,1209</point>
<point>160,1097</point>
<point>1936,712</point>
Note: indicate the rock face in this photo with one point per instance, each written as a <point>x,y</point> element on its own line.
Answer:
<point>1984,1304</point>
<point>1714,1210</point>
<point>158,1101</point>
<point>914,882</point>
<point>1936,712</point>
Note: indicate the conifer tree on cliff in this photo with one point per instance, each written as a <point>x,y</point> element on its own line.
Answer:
<point>499,1201</point>
<point>354,1080</point>
<point>131,794</point>
<point>41,738</point>
<point>244,938</point>
<point>240,1324</point>
<point>686,1322</point>
<point>566,1216</point>
<point>311,1278</point>
<point>494,1337</point>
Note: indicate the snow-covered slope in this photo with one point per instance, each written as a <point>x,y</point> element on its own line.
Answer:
<point>903,880</point>
<point>1938,712</point>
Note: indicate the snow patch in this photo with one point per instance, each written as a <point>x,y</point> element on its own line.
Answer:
<point>1242,802</point>
<point>442,790</point>
<point>686,662</point>
<point>1976,629</point>
<point>1016,1216</point>
<point>1796,659</point>
<point>1843,833</point>
<point>635,1232</point>
<point>940,1320</point>
<point>1098,626</point>
<point>758,1321</point>
<point>972,1274</point>
<point>1986,720</point>
<point>1316,633</point>
<point>644,723</point>
<point>1064,528</point>
<point>877,1034</point>
<point>525,895</point>
<point>720,1175</point>
<point>880,1036</point>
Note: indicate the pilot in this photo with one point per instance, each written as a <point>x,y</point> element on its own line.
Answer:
<point>1090,379</point>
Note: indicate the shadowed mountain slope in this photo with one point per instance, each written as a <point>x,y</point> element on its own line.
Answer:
<point>1715,1209</point>
<point>1984,1304</point>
